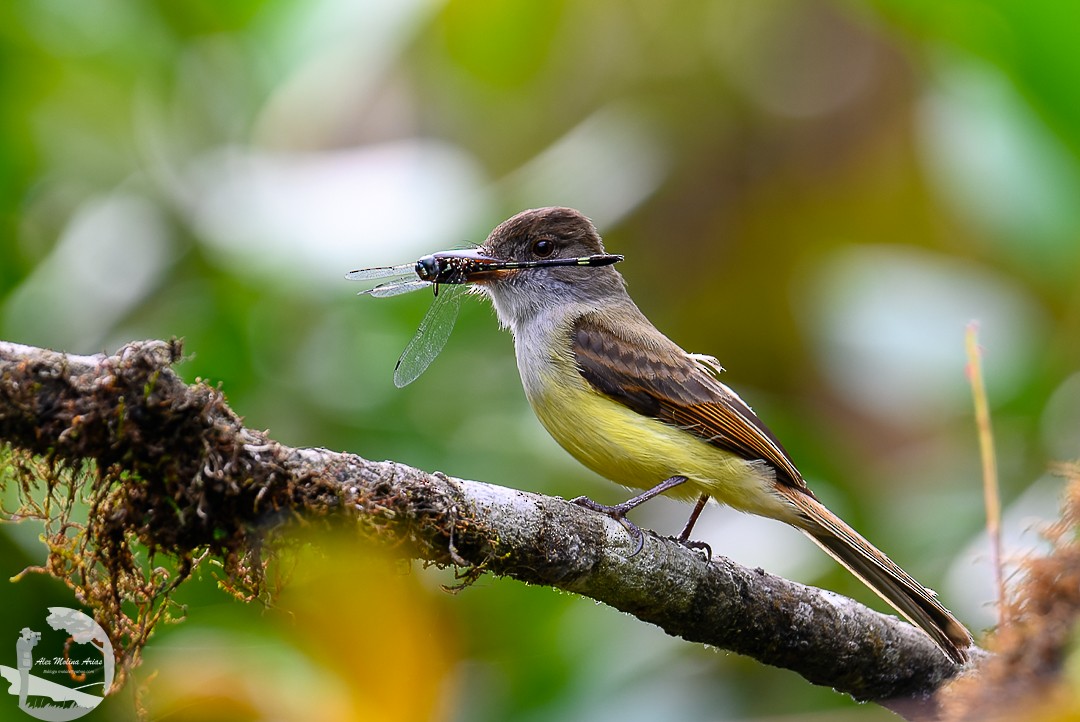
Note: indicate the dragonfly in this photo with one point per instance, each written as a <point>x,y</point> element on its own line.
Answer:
<point>455,269</point>
<point>437,324</point>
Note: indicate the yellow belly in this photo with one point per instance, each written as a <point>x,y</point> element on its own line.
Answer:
<point>638,451</point>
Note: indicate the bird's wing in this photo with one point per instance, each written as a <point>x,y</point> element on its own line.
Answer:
<point>660,380</point>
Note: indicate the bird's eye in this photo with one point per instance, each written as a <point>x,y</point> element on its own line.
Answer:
<point>543,248</point>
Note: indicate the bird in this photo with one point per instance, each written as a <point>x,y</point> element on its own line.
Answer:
<point>630,404</point>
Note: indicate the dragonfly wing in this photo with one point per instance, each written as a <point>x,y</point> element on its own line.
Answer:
<point>364,274</point>
<point>396,288</point>
<point>430,338</point>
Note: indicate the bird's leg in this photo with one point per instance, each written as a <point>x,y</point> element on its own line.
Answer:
<point>618,512</point>
<point>684,535</point>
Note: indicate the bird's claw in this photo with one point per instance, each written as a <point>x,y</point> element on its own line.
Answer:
<point>695,546</point>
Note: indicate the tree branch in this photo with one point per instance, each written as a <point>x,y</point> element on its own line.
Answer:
<point>209,482</point>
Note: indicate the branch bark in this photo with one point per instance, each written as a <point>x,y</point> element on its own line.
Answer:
<point>209,482</point>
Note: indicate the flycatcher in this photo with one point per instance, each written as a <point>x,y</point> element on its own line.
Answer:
<point>631,405</point>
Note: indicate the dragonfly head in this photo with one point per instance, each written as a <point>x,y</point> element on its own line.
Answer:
<point>427,268</point>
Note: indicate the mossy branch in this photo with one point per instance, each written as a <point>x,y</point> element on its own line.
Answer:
<point>175,469</point>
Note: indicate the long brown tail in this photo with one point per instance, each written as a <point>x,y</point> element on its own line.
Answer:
<point>917,603</point>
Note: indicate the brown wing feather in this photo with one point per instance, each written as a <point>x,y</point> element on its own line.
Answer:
<point>661,381</point>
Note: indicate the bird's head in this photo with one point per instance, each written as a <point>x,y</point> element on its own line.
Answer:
<point>533,261</point>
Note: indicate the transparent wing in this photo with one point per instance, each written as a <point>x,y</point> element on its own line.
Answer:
<point>363,274</point>
<point>396,288</point>
<point>407,283</point>
<point>430,338</point>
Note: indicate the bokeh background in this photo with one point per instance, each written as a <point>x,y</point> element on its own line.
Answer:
<point>821,193</point>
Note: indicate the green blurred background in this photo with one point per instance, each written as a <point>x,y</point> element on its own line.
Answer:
<point>820,193</point>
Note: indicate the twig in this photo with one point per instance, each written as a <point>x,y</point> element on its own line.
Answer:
<point>989,461</point>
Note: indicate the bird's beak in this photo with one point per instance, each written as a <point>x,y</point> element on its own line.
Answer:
<point>474,266</point>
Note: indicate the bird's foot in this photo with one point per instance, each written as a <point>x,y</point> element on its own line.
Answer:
<point>684,535</point>
<point>617,512</point>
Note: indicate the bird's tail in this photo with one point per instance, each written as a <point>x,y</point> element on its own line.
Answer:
<point>917,603</point>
